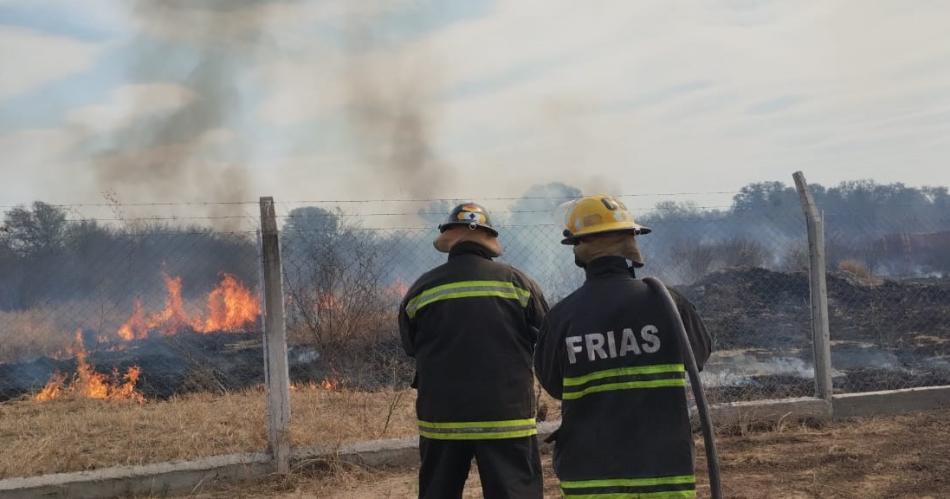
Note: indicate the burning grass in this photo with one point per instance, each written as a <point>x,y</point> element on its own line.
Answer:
<point>230,307</point>
<point>48,331</point>
<point>87,383</point>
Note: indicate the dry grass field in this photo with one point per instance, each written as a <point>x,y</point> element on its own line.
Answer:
<point>75,434</point>
<point>903,456</point>
<point>894,457</point>
<point>82,434</point>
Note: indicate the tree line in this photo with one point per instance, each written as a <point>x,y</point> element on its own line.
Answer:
<point>893,229</point>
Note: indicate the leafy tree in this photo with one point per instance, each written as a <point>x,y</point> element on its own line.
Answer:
<point>313,220</point>
<point>38,231</point>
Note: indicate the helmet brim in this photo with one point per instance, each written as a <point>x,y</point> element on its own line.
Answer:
<point>636,230</point>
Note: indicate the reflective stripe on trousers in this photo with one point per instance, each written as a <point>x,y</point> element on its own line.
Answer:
<point>666,487</point>
<point>479,430</point>
<point>625,378</point>
<point>467,289</point>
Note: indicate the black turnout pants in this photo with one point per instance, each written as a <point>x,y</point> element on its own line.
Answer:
<point>509,468</point>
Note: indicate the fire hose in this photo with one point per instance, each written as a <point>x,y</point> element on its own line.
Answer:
<point>702,407</point>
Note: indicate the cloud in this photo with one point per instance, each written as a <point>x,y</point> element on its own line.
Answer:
<point>661,96</point>
<point>37,164</point>
<point>29,59</point>
<point>775,105</point>
<point>90,20</point>
<point>656,96</point>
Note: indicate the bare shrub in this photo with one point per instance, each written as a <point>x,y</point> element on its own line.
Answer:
<point>795,259</point>
<point>692,260</point>
<point>31,333</point>
<point>858,272</point>
<point>741,252</point>
<point>339,300</point>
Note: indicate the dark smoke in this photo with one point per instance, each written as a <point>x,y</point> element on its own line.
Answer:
<point>390,111</point>
<point>186,154</point>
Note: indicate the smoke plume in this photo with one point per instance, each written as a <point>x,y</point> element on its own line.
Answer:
<point>188,152</point>
<point>390,109</point>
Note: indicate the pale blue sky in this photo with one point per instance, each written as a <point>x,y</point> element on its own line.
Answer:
<point>629,97</point>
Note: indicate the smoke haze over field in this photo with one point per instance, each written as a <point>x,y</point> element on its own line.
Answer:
<point>218,100</point>
<point>389,110</point>
<point>190,150</point>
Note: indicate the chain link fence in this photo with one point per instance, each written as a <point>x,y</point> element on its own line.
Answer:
<point>746,275</point>
<point>347,266</point>
<point>162,314</point>
<point>127,339</point>
<point>888,298</point>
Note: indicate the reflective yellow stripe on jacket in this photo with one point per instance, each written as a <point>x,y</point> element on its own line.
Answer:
<point>625,378</point>
<point>665,487</point>
<point>479,430</point>
<point>467,289</point>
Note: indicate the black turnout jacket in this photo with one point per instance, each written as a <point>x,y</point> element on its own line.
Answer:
<point>471,325</point>
<point>608,351</point>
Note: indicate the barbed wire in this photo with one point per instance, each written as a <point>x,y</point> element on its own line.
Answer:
<point>159,219</point>
<point>442,213</point>
<point>378,200</point>
<point>342,287</point>
<point>504,198</point>
<point>165,203</point>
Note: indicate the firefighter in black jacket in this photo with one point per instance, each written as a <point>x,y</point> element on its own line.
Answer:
<point>471,325</point>
<point>608,351</point>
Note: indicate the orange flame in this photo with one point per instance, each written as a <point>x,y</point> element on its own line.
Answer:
<point>137,325</point>
<point>398,288</point>
<point>87,383</point>
<point>327,301</point>
<point>53,388</point>
<point>173,317</point>
<point>330,384</point>
<point>231,306</point>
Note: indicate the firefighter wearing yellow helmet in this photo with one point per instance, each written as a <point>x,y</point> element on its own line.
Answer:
<point>602,215</point>
<point>609,353</point>
<point>599,214</point>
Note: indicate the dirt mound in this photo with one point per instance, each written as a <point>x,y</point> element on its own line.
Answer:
<point>753,307</point>
<point>756,307</point>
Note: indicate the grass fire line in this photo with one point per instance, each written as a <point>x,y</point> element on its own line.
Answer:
<point>87,383</point>
<point>231,306</point>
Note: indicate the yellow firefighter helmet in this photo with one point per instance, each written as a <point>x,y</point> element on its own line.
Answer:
<point>599,214</point>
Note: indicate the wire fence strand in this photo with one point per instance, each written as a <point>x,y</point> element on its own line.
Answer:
<point>155,302</point>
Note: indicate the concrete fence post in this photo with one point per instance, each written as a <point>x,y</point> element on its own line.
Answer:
<point>821,335</point>
<point>276,371</point>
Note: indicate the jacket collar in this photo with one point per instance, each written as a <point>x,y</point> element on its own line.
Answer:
<point>469,248</point>
<point>608,266</point>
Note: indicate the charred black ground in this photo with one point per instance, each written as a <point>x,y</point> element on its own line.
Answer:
<point>886,334</point>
